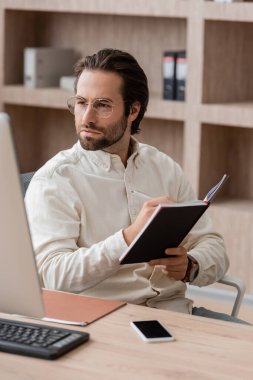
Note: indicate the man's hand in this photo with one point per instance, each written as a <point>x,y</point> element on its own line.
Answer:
<point>176,264</point>
<point>148,208</point>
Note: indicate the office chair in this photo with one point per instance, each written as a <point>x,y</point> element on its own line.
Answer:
<point>239,285</point>
<point>233,281</point>
<point>213,293</point>
<point>25,180</point>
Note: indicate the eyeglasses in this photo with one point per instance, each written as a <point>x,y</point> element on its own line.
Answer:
<point>102,107</point>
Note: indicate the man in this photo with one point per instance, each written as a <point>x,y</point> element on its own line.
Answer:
<point>84,208</point>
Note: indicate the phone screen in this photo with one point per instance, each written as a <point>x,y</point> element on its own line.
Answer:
<point>152,330</point>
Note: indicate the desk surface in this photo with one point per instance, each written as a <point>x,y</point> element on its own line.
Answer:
<point>204,349</point>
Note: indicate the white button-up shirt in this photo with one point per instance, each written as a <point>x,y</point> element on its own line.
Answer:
<point>79,202</point>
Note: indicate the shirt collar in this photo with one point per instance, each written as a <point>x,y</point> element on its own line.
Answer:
<point>104,159</point>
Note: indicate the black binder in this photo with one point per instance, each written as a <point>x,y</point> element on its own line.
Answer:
<point>169,75</point>
<point>180,74</point>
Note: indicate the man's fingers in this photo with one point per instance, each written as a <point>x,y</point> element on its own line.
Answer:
<point>169,263</point>
<point>156,201</point>
<point>163,262</point>
<point>179,251</point>
<point>175,256</point>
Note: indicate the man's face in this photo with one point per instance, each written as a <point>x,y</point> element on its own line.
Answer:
<point>95,131</point>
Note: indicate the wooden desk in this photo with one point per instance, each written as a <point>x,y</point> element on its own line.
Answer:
<point>204,349</point>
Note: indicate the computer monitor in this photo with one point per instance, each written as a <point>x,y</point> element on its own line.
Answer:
<point>20,291</point>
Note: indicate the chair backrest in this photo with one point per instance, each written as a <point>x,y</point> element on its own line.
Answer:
<point>25,180</point>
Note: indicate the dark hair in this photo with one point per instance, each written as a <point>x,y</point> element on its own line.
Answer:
<point>135,84</point>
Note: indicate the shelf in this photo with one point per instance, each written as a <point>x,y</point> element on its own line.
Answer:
<point>233,114</point>
<point>57,98</point>
<point>40,133</point>
<point>146,38</point>
<point>228,12</point>
<point>147,8</point>
<point>226,149</point>
<point>165,134</point>
<point>43,97</point>
<point>228,62</point>
<point>165,109</point>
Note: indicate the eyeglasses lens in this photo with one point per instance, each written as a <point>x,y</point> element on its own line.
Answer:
<point>102,107</point>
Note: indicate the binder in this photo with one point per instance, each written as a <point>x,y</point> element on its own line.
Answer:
<point>77,309</point>
<point>174,74</point>
<point>169,67</point>
<point>180,74</point>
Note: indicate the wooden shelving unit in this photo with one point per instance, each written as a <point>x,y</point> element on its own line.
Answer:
<point>208,134</point>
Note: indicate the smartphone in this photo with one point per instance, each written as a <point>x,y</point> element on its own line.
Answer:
<point>152,331</point>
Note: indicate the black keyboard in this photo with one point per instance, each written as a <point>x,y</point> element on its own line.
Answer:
<point>40,341</point>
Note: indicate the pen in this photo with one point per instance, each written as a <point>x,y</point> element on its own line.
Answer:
<point>141,195</point>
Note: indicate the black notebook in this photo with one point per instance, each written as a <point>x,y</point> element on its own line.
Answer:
<point>167,227</point>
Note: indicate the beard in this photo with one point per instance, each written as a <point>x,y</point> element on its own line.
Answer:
<point>110,135</point>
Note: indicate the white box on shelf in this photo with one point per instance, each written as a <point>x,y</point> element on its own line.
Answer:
<point>43,66</point>
<point>67,83</point>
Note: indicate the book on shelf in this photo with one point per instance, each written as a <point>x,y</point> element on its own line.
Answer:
<point>167,227</point>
